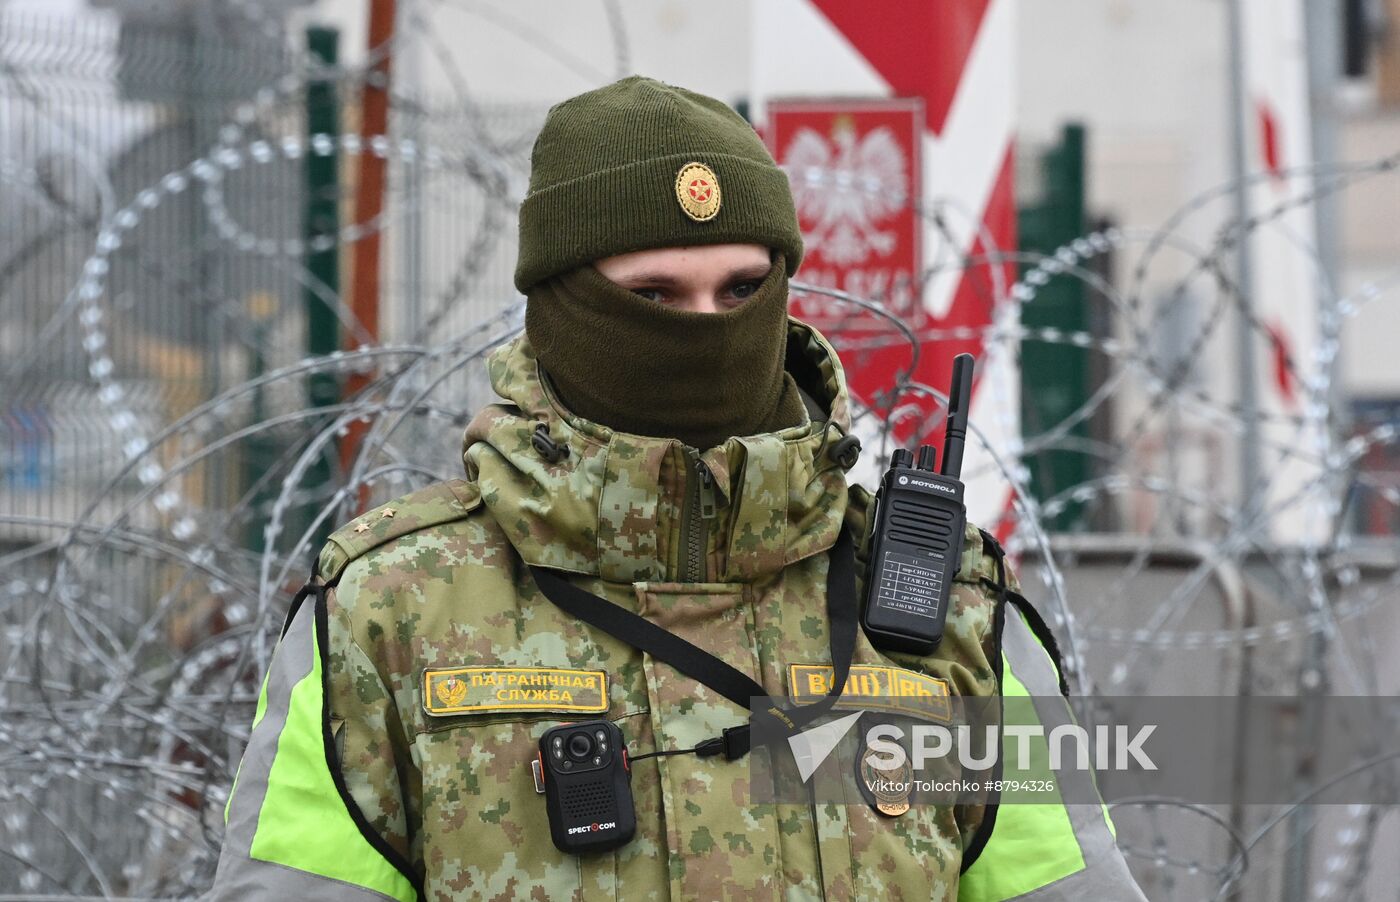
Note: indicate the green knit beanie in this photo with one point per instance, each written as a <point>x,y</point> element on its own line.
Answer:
<point>639,164</point>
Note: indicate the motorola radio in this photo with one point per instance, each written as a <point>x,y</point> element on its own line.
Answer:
<point>916,544</point>
<point>582,770</point>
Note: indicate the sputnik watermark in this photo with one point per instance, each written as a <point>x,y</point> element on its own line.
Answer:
<point>1054,750</point>
<point>1109,747</point>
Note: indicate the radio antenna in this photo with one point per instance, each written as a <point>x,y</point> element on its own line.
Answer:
<point>959,400</point>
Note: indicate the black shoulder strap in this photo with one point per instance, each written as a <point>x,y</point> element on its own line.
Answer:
<point>699,664</point>
<point>1039,628</point>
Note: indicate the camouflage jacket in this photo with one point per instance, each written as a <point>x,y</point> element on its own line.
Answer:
<point>390,753</point>
<point>447,663</point>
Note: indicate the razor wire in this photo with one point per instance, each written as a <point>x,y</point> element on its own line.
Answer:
<point>139,600</point>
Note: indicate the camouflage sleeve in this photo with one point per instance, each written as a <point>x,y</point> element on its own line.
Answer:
<point>365,725</point>
<point>983,601</point>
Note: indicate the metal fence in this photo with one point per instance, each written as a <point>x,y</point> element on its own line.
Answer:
<point>156,290</point>
<point>178,254</point>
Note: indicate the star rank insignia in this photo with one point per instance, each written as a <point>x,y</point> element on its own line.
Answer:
<point>697,191</point>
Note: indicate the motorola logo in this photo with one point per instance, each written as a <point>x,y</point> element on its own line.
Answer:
<point>926,484</point>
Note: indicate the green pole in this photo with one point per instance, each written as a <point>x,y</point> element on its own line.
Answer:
<point>321,218</point>
<point>1055,377</point>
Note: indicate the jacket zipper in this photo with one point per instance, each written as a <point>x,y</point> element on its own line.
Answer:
<point>698,510</point>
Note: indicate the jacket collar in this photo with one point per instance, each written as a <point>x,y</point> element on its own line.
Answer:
<point>608,507</point>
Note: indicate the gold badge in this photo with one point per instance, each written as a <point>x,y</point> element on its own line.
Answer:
<point>886,789</point>
<point>451,691</point>
<point>697,189</point>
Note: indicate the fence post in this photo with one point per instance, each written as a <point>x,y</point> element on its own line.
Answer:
<point>321,219</point>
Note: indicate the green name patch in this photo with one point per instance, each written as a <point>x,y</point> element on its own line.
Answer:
<point>467,690</point>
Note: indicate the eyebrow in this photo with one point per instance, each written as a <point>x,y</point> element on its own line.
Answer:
<point>755,272</point>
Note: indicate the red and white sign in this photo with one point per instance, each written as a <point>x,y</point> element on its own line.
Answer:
<point>955,57</point>
<point>854,169</point>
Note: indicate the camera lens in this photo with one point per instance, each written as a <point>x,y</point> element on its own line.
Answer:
<point>580,746</point>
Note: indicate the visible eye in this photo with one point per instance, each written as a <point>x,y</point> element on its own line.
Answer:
<point>744,290</point>
<point>651,294</point>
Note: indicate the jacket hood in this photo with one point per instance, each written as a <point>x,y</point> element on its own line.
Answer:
<point>612,506</point>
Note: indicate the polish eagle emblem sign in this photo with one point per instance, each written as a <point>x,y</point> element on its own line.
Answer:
<point>854,171</point>
<point>847,187</point>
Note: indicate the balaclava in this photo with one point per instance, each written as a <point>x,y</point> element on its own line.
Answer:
<point>636,165</point>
